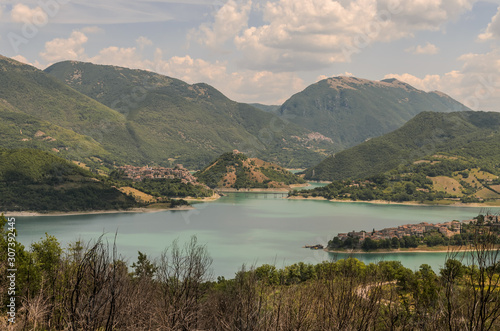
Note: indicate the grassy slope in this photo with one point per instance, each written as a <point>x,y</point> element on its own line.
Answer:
<point>350,110</point>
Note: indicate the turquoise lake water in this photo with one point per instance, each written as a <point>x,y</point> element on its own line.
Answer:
<point>247,228</point>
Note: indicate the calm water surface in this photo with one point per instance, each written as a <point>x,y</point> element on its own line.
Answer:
<point>246,228</point>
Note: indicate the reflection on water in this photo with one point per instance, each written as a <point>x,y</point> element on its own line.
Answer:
<point>247,228</point>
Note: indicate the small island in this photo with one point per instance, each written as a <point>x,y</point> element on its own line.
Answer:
<point>422,237</point>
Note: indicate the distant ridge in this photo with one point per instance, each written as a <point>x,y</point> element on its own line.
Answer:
<point>350,110</point>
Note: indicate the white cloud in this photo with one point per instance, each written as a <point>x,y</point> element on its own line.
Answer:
<point>426,49</point>
<point>243,86</point>
<point>321,77</point>
<point>262,86</point>
<point>229,21</point>
<point>22,59</point>
<point>23,14</point>
<point>428,83</point>
<point>476,84</point>
<point>143,42</point>
<point>412,16</point>
<point>92,29</point>
<point>60,49</point>
<point>90,12</point>
<point>344,74</point>
<point>120,56</point>
<point>312,34</point>
<point>72,48</point>
<point>493,29</point>
<point>190,70</point>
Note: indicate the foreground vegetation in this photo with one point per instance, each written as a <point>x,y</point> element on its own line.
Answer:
<point>88,286</point>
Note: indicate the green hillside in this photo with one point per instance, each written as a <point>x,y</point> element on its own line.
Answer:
<point>236,170</point>
<point>350,110</point>
<point>30,91</point>
<point>434,158</point>
<point>437,179</point>
<point>468,134</point>
<point>174,122</point>
<point>33,180</point>
<point>269,108</point>
<point>19,130</point>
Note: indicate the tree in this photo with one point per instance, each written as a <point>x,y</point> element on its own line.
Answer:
<point>143,267</point>
<point>181,274</point>
<point>369,244</point>
<point>395,242</point>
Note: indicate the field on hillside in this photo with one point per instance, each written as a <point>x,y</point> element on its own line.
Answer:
<point>138,195</point>
<point>447,184</point>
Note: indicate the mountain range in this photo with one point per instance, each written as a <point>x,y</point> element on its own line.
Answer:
<point>172,121</point>
<point>104,116</point>
<point>155,120</point>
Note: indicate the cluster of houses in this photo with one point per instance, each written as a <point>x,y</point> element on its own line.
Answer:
<point>147,172</point>
<point>448,229</point>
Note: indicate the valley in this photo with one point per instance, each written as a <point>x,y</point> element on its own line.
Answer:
<point>115,121</point>
<point>152,159</point>
<point>250,165</point>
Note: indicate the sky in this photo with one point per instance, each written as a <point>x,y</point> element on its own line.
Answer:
<point>267,50</point>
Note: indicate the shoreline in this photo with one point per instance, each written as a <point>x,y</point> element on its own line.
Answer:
<point>93,212</point>
<point>405,203</point>
<point>214,197</point>
<point>262,190</point>
<point>441,249</point>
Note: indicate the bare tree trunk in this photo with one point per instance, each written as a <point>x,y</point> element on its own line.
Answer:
<point>181,274</point>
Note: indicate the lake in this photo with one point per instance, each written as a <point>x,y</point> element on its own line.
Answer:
<point>247,228</point>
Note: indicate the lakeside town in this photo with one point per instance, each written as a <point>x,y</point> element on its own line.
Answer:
<point>140,173</point>
<point>447,229</point>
